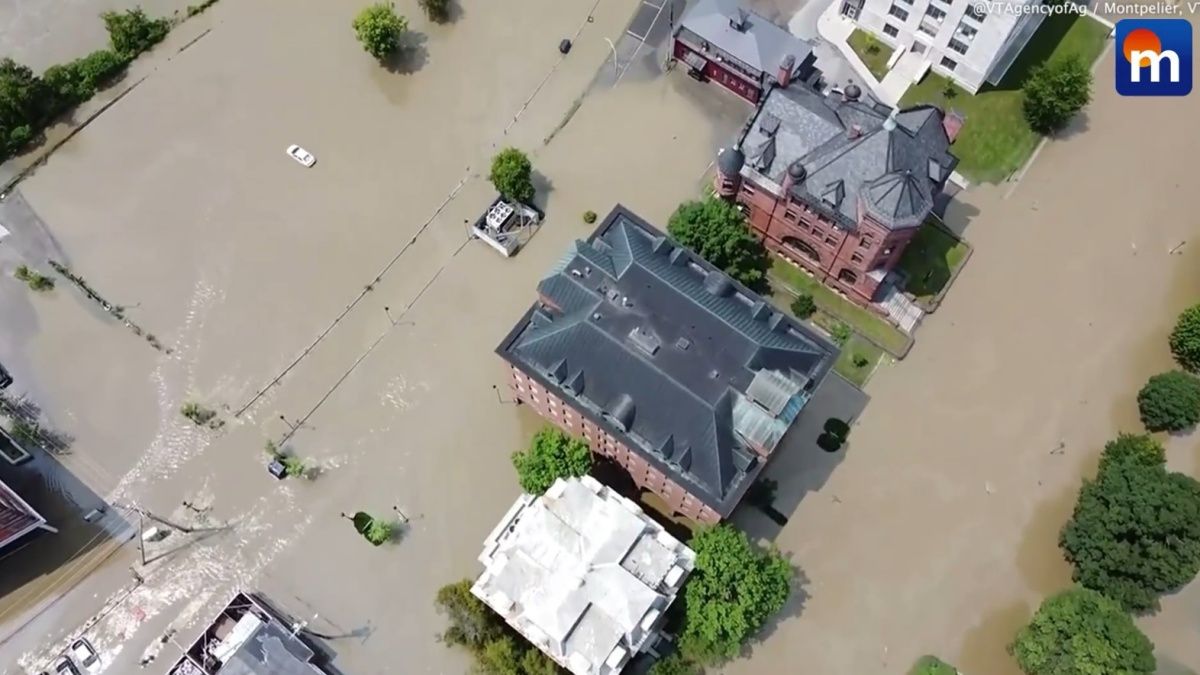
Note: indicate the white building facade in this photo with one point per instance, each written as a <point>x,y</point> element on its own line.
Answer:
<point>958,39</point>
<point>584,574</point>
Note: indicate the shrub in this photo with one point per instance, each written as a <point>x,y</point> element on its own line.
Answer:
<point>512,175</point>
<point>379,28</point>
<point>672,665</point>
<point>132,32</point>
<point>804,306</point>
<point>35,280</point>
<point>1170,401</point>
<point>25,433</point>
<point>1185,340</point>
<point>77,81</point>
<point>1135,531</point>
<point>840,333</point>
<point>27,104</point>
<point>717,231</point>
<point>293,467</point>
<point>859,360</point>
<point>201,416</point>
<point>589,217</point>
<point>931,665</point>
<point>1055,92</point>
<point>438,11</point>
<point>551,455</point>
<point>837,428</point>
<point>1080,631</point>
<point>828,442</point>
<point>375,530</point>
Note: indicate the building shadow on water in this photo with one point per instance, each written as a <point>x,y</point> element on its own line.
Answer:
<point>38,569</point>
<point>798,466</point>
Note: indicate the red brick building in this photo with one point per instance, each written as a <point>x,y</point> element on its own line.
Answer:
<point>719,40</point>
<point>665,365</point>
<point>836,184</point>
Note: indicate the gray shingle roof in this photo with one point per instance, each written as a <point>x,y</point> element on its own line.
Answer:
<point>761,44</point>
<point>658,347</point>
<point>852,157</point>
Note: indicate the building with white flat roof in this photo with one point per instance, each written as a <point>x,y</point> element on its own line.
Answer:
<point>583,573</point>
<point>971,43</point>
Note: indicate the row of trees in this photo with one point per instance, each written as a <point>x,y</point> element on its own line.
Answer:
<point>1134,536</point>
<point>380,29</point>
<point>28,103</point>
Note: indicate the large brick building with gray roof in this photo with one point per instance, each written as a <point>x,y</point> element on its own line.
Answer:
<point>838,184</point>
<point>682,376</point>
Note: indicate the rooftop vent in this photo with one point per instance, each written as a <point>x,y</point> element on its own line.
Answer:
<point>714,374</point>
<point>854,131</point>
<point>679,256</point>
<point>739,20</point>
<point>718,284</point>
<point>645,341</point>
<point>683,343</point>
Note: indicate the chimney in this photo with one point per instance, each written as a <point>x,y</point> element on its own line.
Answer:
<point>786,67</point>
<point>890,123</point>
<point>854,131</point>
<point>851,93</point>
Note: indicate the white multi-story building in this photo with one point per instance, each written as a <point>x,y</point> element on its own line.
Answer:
<point>583,574</point>
<point>958,38</point>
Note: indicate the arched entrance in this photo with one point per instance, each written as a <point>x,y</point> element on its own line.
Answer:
<point>803,247</point>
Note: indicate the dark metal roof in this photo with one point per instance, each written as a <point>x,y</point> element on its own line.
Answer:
<point>852,156</point>
<point>659,348</point>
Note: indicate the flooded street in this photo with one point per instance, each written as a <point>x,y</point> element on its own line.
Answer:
<point>347,299</point>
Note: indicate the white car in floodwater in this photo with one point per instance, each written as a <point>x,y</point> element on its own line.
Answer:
<point>301,155</point>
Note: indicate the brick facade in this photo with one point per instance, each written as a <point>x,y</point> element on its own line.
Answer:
<point>836,257</point>
<point>576,423</point>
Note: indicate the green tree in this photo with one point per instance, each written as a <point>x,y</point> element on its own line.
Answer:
<point>672,665</point>
<point>534,662</point>
<point>77,81</point>
<point>501,656</point>
<point>378,531</point>
<point>438,11</point>
<point>804,306</point>
<point>472,623</point>
<point>932,665</point>
<point>716,230</point>
<point>1055,92</point>
<point>26,104</point>
<point>379,29</point>
<point>1185,340</point>
<point>1135,532</point>
<point>132,32</point>
<point>1081,632</point>
<point>551,455</point>
<point>512,175</point>
<point>732,591</point>
<point>1170,401</point>
<point>840,332</point>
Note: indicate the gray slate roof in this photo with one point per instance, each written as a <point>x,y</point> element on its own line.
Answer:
<point>761,45</point>
<point>659,348</point>
<point>852,155</point>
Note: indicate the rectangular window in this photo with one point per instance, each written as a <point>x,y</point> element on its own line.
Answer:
<point>865,242</point>
<point>856,258</point>
<point>975,12</point>
<point>967,32</point>
<point>831,240</point>
<point>929,28</point>
<point>790,215</point>
<point>958,46</point>
<point>935,13</point>
<point>817,231</point>
<point>890,30</point>
<point>899,13</point>
<point>949,63</point>
<point>747,188</point>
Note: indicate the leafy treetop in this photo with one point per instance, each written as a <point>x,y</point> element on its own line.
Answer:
<point>733,590</point>
<point>551,455</point>
<point>379,28</point>
<point>1185,339</point>
<point>132,32</point>
<point>1135,532</point>
<point>1170,401</point>
<point>1081,632</point>
<point>1055,91</point>
<point>512,175</point>
<point>717,232</point>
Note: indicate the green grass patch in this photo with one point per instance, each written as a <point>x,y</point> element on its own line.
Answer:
<point>858,360</point>
<point>931,665</point>
<point>872,51</point>
<point>931,259</point>
<point>863,321</point>
<point>995,140</point>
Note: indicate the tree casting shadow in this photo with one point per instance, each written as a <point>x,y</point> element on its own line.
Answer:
<point>410,56</point>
